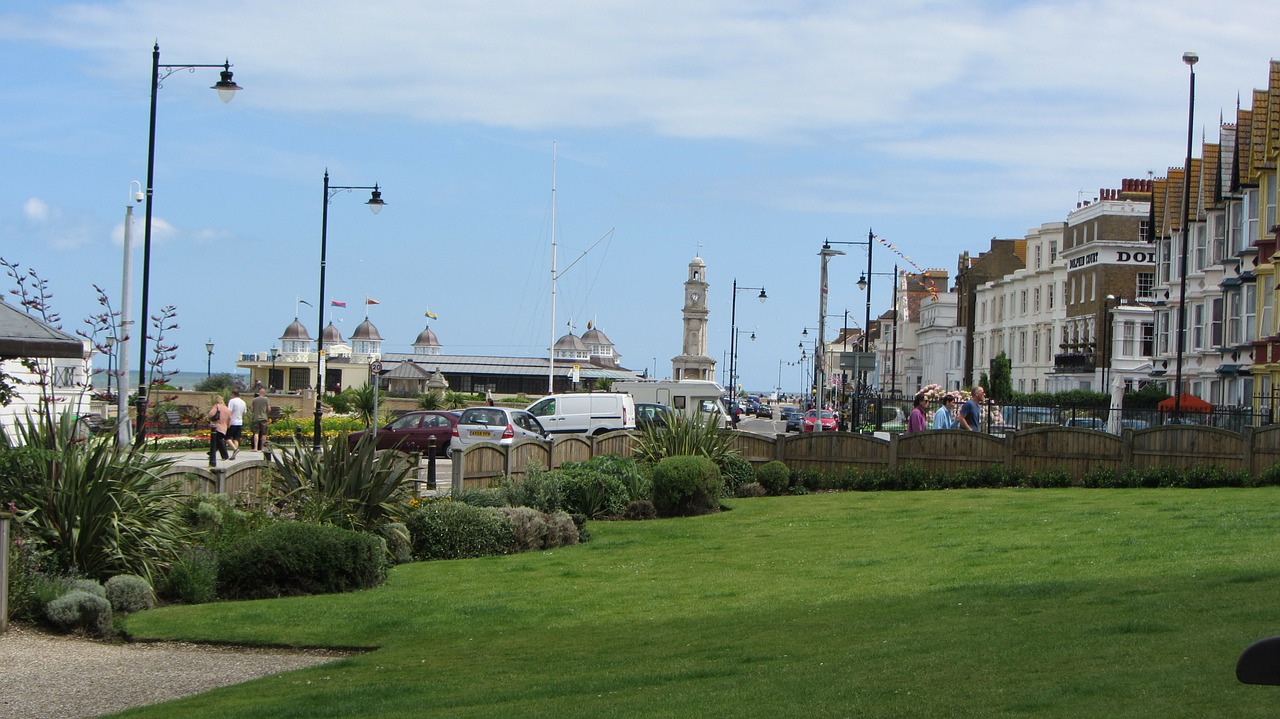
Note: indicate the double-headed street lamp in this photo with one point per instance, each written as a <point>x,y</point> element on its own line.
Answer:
<point>227,89</point>
<point>375,204</point>
<point>1190,58</point>
<point>733,337</point>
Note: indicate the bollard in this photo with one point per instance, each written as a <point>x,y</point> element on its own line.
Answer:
<point>4,571</point>
<point>431,462</point>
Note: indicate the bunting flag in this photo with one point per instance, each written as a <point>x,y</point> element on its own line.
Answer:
<point>368,301</point>
<point>432,315</point>
<point>930,285</point>
<point>336,303</point>
<point>308,304</point>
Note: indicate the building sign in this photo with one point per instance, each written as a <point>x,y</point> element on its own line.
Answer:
<point>1113,257</point>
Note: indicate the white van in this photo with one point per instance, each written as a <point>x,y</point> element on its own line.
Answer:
<point>690,398</point>
<point>585,412</point>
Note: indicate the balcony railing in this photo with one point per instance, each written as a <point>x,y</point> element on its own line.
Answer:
<point>1071,362</point>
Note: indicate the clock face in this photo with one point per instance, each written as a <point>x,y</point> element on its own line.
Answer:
<point>695,296</point>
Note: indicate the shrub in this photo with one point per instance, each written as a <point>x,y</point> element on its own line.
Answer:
<point>640,509</point>
<point>736,472</point>
<point>538,488</point>
<point>129,593</point>
<point>684,436</point>
<point>774,477</point>
<point>396,535</point>
<point>754,489</point>
<point>488,497</point>
<point>193,578</point>
<point>215,520</point>
<point>528,528</point>
<point>354,488</point>
<point>89,586</point>
<point>451,530</point>
<point>580,522</point>
<point>293,558</point>
<point>80,610</point>
<point>686,485</point>
<point>562,531</point>
<point>1046,478</point>
<point>590,491</point>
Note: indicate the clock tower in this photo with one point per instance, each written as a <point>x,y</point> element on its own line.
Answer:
<point>693,362</point>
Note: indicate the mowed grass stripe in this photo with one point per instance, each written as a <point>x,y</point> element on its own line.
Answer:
<point>973,603</point>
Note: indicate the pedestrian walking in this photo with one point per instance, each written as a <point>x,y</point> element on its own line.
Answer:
<point>219,420</point>
<point>970,416</point>
<point>236,427</point>
<point>917,422</point>
<point>261,410</point>
<point>944,417</point>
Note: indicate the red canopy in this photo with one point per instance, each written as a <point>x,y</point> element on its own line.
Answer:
<point>1190,403</point>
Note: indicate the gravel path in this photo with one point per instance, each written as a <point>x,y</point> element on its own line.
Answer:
<point>47,676</point>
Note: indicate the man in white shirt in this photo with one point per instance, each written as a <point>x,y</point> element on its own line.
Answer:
<point>238,408</point>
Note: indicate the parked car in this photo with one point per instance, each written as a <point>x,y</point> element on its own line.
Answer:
<point>650,414</point>
<point>1086,423</point>
<point>412,431</point>
<point>500,425</point>
<point>764,411</point>
<point>1016,418</point>
<point>794,419</point>
<point>585,412</point>
<point>811,418</point>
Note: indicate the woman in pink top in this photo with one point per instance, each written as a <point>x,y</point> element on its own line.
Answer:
<point>219,421</point>
<point>917,422</point>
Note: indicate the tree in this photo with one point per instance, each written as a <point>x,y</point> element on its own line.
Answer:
<point>220,382</point>
<point>1001,389</point>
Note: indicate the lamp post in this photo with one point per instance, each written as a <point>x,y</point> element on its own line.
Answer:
<point>1190,58</point>
<point>208,368</point>
<point>227,89</point>
<point>375,204</point>
<point>1109,341</point>
<point>820,354</point>
<point>271,378</point>
<point>733,337</point>
<point>110,342</point>
<point>864,283</point>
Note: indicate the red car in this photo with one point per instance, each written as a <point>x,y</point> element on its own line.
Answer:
<point>409,432</point>
<point>811,418</point>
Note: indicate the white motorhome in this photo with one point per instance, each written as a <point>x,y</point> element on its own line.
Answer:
<point>688,397</point>
<point>585,412</point>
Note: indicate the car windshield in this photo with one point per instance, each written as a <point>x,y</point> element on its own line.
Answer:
<point>483,416</point>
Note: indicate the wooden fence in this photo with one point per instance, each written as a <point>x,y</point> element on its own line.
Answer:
<point>1043,448</point>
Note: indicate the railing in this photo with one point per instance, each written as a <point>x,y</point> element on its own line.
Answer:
<point>1074,362</point>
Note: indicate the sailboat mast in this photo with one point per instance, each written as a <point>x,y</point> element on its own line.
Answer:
<point>551,348</point>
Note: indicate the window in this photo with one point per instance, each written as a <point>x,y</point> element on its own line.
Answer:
<point>1269,187</point>
<point>1053,250</point>
<point>1251,217</point>
<point>983,312</point>
<point>1235,316</point>
<point>1022,347</point>
<point>1049,295</point>
<point>1250,312</point>
<point>1093,286</point>
<point>1146,285</point>
<point>1148,339</point>
<point>1218,230</point>
<point>1000,314</point>
<point>1235,226</point>
<point>1039,256</point>
<point>1164,261</point>
<point>1162,332</point>
<point>1197,326</point>
<point>1266,328</point>
<point>1144,230</point>
<point>1034,387</point>
<point>1024,302</point>
<point>1199,247</point>
<point>1035,346</point>
<point>1215,327</point>
<point>1035,304</point>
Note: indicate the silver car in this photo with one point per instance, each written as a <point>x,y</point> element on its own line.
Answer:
<point>500,425</point>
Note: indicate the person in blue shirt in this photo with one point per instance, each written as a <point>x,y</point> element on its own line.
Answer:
<point>943,418</point>
<point>971,413</point>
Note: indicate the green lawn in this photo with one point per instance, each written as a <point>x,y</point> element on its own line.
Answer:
<point>976,603</point>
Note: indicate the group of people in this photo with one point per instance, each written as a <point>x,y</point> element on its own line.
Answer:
<point>968,416</point>
<point>226,424</point>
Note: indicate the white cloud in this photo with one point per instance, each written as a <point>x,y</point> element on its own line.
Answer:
<point>36,210</point>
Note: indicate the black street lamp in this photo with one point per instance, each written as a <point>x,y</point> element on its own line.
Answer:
<point>208,368</point>
<point>227,89</point>
<point>733,337</point>
<point>271,378</point>
<point>375,204</point>
<point>1190,58</point>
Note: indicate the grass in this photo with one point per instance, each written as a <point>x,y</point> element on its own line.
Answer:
<point>999,603</point>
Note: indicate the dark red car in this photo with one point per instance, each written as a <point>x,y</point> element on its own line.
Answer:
<point>409,432</point>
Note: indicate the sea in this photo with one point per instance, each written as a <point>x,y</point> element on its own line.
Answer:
<point>181,380</point>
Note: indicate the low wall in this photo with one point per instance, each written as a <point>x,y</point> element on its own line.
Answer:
<point>1041,449</point>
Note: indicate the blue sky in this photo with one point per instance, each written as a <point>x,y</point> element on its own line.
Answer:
<point>746,132</point>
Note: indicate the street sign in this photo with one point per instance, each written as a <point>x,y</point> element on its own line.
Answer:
<point>375,367</point>
<point>858,361</point>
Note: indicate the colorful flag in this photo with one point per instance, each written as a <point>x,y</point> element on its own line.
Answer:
<point>432,315</point>
<point>336,303</point>
<point>368,301</point>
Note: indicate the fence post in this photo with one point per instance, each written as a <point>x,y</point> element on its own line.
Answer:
<point>457,455</point>
<point>4,571</point>
<point>780,448</point>
<point>893,451</point>
<point>1250,462</point>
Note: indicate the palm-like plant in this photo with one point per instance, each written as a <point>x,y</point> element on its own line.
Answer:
<point>362,403</point>
<point>96,508</point>
<point>352,487</point>
<point>431,400</point>
<point>456,400</point>
<point>697,436</point>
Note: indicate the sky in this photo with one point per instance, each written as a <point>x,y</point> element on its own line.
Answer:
<point>740,131</point>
